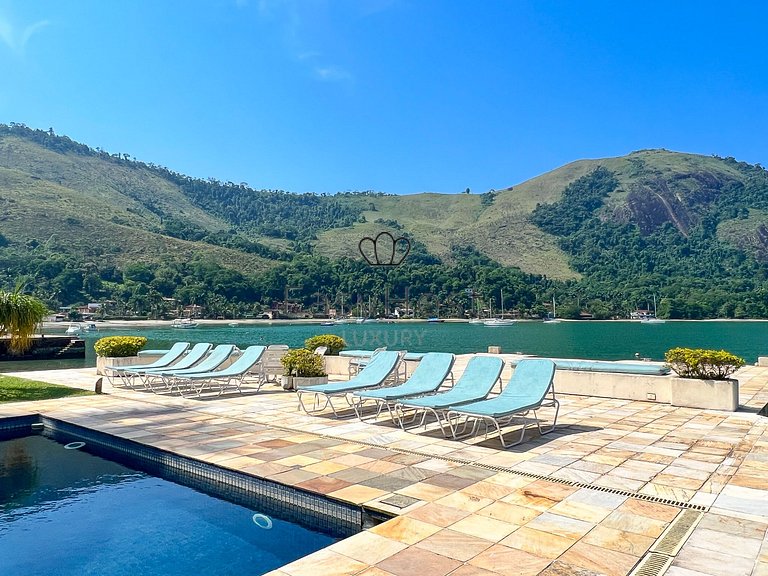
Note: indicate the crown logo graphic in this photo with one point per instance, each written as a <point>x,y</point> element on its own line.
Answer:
<point>384,250</point>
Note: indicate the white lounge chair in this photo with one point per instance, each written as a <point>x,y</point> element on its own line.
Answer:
<point>118,373</point>
<point>192,357</point>
<point>382,367</point>
<point>479,377</point>
<point>433,370</point>
<point>232,375</point>
<point>530,388</point>
<point>169,376</point>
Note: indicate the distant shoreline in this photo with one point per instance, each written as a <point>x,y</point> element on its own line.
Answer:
<point>318,321</point>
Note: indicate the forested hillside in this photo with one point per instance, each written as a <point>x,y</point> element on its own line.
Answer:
<point>79,224</point>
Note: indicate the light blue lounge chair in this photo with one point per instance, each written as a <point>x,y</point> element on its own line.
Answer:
<point>170,377</point>
<point>192,357</point>
<point>530,388</point>
<point>433,369</point>
<point>479,377</point>
<point>115,373</point>
<point>232,375</point>
<point>382,367</point>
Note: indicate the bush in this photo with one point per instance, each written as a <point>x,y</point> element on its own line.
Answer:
<point>703,364</point>
<point>119,346</point>
<point>302,362</point>
<point>334,343</point>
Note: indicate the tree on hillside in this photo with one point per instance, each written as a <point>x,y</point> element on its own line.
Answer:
<point>19,315</point>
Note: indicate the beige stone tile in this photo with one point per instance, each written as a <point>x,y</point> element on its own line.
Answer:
<point>438,515</point>
<point>510,561</point>
<point>324,563</point>
<point>368,547</point>
<point>538,543</point>
<point>629,522</point>
<point>424,491</point>
<point>358,494</point>
<point>619,540</point>
<point>509,513</point>
<point>463,501</point>
<point>423,562</point>
<point>560,525</point>
<point>405,529</point>
<point>483,527</point>
<point>456,545</point>
<point>601,560</point>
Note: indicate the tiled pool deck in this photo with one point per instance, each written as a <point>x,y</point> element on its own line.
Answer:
<point>592,498</point>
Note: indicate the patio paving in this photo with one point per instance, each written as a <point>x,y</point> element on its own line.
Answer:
<point>592,498</point>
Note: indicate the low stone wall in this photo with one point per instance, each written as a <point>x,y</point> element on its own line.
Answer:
<point>686,392</point>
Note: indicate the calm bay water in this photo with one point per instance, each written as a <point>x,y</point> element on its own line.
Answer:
<point>610,340</point>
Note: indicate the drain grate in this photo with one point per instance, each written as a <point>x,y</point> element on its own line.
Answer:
<point>652,564</point>
<point>673,538</point>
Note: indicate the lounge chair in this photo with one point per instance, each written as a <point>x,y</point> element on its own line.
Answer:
<point>433,369</point>
<point>271,366</point>
<point>192,357</point>
<point>113,373</point>
<point>530,388</point>
<point>216,358</point>
<point>382,367</point>
<point>479,377</point>
<point>232,375</point>
<point>357,363</point>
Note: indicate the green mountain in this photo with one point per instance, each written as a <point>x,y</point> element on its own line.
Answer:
<point>80,224</point>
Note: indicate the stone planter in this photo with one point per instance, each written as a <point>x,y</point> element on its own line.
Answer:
<point>102,361</point>
<point>287,382</point>
<point>706,394</point>
<point>301,381</point>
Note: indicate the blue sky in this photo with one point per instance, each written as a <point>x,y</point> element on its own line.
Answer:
<point>398,96</point>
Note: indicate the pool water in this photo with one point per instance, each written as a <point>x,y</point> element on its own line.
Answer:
<point>66,512</point>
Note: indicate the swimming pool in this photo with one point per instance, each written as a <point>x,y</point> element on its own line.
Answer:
<point>67,511</point>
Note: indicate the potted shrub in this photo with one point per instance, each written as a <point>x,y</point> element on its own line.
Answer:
<point>335,344</point>
<point>302,367</point>
<point>715,388</point>
<point>118,351</point>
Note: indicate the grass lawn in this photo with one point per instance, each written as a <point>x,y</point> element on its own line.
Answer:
<point>14,389</point>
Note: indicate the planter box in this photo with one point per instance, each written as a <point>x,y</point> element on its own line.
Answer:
<point>102,361</point>
<point>301,381</point>
<point>293,382</point>
<point>707,394</point>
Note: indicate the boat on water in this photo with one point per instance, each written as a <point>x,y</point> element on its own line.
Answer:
<point>552,319</point>
<point>476,321</point>
<point>184,323</point>
<point>500,321</point>
<point>435,320</point>
<point>74,329</point>
<point>652,319</point>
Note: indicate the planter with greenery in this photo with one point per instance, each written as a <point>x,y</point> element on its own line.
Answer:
<point>119,351</point>
<point>335,344</point>
<point>19,316</point>
<point>711,369</point>
<point>302,367</point>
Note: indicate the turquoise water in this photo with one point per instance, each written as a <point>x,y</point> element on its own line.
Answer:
<point>610,340</point>
<point>67,512</point>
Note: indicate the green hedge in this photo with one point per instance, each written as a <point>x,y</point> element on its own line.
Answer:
<point>334,343</point>
<point>703,364</point>
<point>119,346</point>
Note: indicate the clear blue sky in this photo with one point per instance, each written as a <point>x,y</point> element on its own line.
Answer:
<point>398,96</point>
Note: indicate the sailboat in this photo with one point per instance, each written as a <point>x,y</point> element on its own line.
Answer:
<point>653,319</point>
<point>500,321</point>
<point>552,319</point>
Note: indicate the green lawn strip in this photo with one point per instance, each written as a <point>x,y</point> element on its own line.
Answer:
<point>14,389</point>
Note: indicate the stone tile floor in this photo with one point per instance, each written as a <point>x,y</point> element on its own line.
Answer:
<point>590,499</point>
